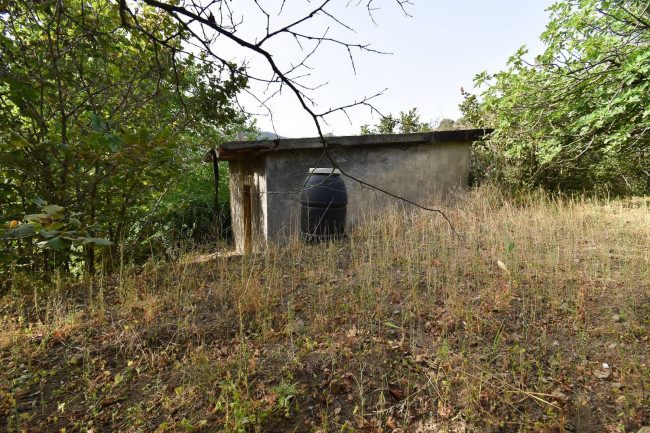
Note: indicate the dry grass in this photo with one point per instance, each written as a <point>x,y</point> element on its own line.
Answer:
<point>402,327</point>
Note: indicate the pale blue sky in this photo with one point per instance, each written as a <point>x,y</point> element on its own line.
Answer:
<point>440,48</point>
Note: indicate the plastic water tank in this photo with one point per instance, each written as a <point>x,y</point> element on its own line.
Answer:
<point>324,200</point>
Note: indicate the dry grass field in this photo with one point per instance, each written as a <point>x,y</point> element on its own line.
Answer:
<point>534,319</point>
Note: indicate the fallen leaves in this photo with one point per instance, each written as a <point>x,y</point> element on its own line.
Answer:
<point>444,412</point>
<point>559,396</point>
<point>397,393</point>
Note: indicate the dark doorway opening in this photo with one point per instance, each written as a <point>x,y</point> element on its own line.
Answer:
<point>248,223</point>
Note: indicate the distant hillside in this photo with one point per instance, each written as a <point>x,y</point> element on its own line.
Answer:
<point>268,136</point>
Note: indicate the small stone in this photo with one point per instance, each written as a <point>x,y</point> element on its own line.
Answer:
<point>602,374</point>
<point>77,359</point>
<point>616,318</point>
<point>336,387</point>
<point>296,325</point>
<point>559,396</point>
<point>617,385</point>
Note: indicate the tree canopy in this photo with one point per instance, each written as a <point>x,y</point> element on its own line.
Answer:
<point>406,123</point>
<point>97,120</point>
<point>578,117</point>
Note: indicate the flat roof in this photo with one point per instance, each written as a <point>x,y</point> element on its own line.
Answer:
<point>241,149</point>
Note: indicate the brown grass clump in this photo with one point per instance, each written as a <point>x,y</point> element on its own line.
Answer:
<point>535,319</point>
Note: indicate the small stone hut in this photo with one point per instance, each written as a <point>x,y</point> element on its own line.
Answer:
<point>266,176</point>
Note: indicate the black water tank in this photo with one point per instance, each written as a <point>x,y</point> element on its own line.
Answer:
<point>324,205</point>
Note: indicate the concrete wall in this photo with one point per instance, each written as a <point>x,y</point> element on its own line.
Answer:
<point>248,172</point>
<point>414,172</point>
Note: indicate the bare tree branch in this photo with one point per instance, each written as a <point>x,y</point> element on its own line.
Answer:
<point>220,18</point>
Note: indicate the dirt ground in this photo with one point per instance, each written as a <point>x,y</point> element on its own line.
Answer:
<point>536,320</point>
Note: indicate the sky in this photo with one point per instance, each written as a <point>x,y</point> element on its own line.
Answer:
<point>434,52</point>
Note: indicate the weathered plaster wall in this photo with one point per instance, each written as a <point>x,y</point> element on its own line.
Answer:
<point>248,172</point>
<point>414,172</point>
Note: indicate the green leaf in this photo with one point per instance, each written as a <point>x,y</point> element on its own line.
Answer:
<point>55,226</point>
<point>165,133</point>
<point>19,231</point>
<point>36,217</point>
<point>96,241</point>
<point>97,124</point>
<point>187,425</point>
<point>56,243</point>
<point>47,234</point>
<point>17,141</point>
<point>53,209</point>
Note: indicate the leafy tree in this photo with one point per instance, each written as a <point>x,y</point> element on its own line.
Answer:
<point>448,125</point>
<point>97,119</point>
<point>578,118</point>
<point>407,122</point>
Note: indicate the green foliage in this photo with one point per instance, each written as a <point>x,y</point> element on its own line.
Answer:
<point>448,125</point>
<point>578,118</point>
<point>97,119</point>
<point>49,230</point>
<point>56,230</point>
<point>186,212</point>
<point>474,114</point>
<point>407,122</point>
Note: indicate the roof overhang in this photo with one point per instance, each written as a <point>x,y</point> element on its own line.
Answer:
<point>244,149</point>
